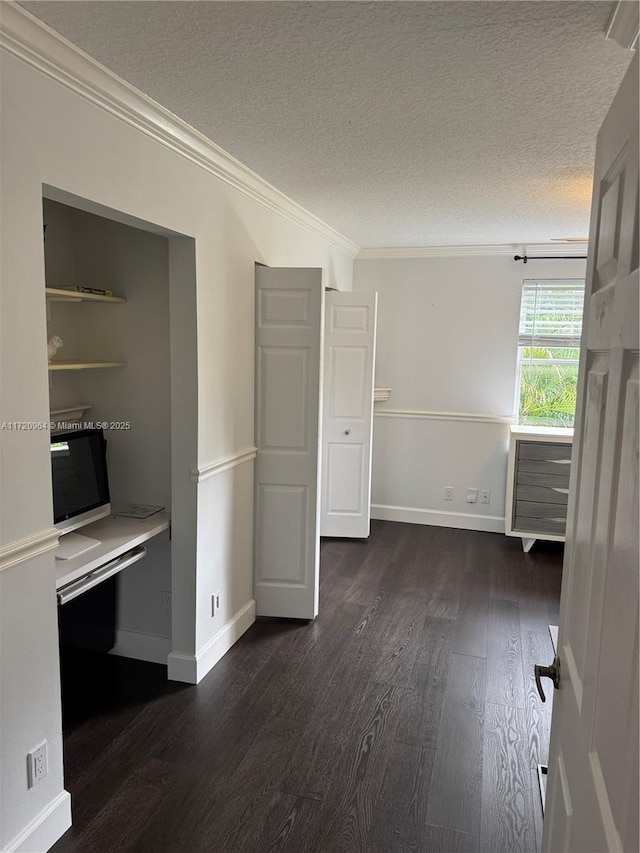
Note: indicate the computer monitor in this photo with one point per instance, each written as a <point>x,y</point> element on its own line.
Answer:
<point>80,487</point>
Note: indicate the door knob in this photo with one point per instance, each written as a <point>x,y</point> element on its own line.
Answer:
<point>552,672</point>
<point>347,432</point>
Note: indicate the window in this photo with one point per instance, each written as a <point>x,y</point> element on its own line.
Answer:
<point>548,352</point>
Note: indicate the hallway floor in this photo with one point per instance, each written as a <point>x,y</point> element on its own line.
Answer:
<point>405,718</point>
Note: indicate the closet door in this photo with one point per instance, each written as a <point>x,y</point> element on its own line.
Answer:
<point>349,354</point>
<point>288,409</point>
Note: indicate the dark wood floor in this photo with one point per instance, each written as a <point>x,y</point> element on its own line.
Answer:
<point>405,718</point>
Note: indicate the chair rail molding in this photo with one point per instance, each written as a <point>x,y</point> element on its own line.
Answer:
<point>32,41</point>
<point>30,546</point>
<point>472,417</point>
<point>247,454</point>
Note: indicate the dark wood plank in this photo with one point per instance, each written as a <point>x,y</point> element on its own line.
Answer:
<point>139,795</point>
<point>249,792</point>
<point>366,584</point>
<point>505,680</point>
<point>470,634</point>
<point>359,777</point>
<point>310,680</point>
<point>439,840</point>
<point>312,769</point>
<point>384,645</point>
<point>401,809</point>
<point>422,709</point>
<point>445,585</point>
<point>348,708</point>
<point>537,648</point>
<point>507,803</point>
<point>455,796</point>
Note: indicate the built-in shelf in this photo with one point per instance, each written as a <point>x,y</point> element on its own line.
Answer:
<point>58,294</point>
<point>381,395</point>
<point>84,365</point>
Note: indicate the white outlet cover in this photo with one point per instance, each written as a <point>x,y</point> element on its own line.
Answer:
<point>472,496</point>
<point>38,763</point>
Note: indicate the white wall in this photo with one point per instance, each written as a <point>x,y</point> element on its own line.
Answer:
<point>447,343</point>
<point>53,136</point>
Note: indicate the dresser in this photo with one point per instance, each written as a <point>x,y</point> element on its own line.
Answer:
<point>538,483</point>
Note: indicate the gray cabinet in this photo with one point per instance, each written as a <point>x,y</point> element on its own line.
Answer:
<point>538,483</point>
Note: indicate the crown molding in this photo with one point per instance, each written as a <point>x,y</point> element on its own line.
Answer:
<point>473,251</point>
<point>41,47</point>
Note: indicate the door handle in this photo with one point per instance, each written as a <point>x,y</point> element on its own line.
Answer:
<point>552,672</point>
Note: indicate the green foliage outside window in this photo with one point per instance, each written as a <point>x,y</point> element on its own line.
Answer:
<point>548,382</point>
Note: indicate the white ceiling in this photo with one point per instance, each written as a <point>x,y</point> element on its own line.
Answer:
<point>398,123</point>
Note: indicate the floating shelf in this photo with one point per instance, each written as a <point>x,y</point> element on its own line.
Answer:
<point>84,365</point>
<point>57,294</point>
<point>68,414</point>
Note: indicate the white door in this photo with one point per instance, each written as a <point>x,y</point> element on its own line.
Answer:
<point>288,408</point>
<point>349,355</point>
<point>592,800</point>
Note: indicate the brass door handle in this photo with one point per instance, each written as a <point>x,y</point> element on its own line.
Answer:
<point>552,672</point>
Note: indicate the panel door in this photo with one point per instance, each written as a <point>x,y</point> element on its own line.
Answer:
<point>289,327</point>
<point>349,355</point>
<point>592,795</point>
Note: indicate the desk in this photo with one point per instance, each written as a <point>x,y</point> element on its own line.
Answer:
<point>117,536</point>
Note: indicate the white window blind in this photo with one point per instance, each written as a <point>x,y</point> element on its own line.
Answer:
<point>551,314</point>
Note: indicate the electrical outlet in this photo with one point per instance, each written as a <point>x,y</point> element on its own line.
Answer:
<point>215,603</point>
<point>472,496</point>
<point>448,493</point>
<point>166,601</point>
<point>485,496</point>
<point>37,763</point>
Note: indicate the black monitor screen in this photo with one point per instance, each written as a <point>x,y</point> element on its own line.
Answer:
<point>79,472</point>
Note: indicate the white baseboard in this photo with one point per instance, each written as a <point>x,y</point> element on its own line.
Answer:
<point>149,647</point>
<point>45,829</point>
<point>191,669</point>
<point>438,518</point>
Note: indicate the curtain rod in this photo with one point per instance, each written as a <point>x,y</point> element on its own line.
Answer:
<point>526,258</point>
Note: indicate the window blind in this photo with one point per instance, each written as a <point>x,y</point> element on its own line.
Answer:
<point>551,314</point>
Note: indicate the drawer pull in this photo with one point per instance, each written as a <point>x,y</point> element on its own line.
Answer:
<point>558,489</point>
<point>559,461</point>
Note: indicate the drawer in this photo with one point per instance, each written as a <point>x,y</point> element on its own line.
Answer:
<point>537,466</point>
<point>535,478</point>
<point>535,509</point>
<point>540,525</point>
<point>544,451</point>
<point>543,494</point>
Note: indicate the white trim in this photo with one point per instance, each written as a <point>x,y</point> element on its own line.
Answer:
<point>45,829</point>
<point>624,24</point>
<point>35,43</point>
<point>574,677</point>
<point>467,251</point>
<point>438,518</point>
<point>135,644</point>
<point>564,783</point>
<point>191,669</point>
<point>474,417</point>
<point>29,547</point>
<point>614,842</point>
<point>247,454</point>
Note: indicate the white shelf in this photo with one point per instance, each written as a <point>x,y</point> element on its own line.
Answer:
<point>84,365</point>
<point>58,294</point>
<point>117,536</point>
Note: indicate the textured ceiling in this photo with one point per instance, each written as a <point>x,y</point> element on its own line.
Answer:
<point>399,123</point>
